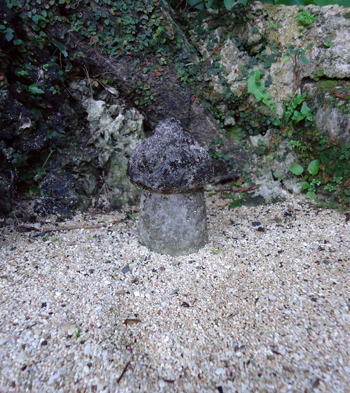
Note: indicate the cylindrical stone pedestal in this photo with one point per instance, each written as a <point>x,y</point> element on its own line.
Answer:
<point>173,224</point>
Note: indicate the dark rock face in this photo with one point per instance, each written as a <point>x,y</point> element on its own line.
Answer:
<point>60,199</point>
<point>170,161</point>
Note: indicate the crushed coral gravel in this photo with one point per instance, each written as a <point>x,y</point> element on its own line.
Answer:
<point>259,309</point>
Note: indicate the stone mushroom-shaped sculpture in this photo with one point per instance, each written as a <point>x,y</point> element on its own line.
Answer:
<point>171,168</point>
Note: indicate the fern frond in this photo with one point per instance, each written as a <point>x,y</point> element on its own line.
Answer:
<point>259,91</point>
<point>292,106</point>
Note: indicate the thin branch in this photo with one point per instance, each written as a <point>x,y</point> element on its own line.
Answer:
<point>87,75</point>
<point>179,4</point>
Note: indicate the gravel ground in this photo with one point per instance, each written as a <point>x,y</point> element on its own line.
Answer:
<point>264,307</point>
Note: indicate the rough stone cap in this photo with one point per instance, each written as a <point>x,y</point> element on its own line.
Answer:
<point>170,161</point>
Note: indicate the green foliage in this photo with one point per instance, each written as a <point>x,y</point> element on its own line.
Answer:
<point>305,113</point>
<point>228,4</point>
<point>237,203</point>
<point>314,167</point>
<point>296,169</point>
<point>297,54</point>
<point>292,114</point>
<point>257,88</point>
<point>60,47</point>
<point>35,89</point>
<point>305,18</point>
<point>328,165</point>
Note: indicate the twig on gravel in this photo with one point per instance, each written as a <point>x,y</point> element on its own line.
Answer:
<point>30,227</point>
<point>80,226</point>
<point>240,189</point>
<point>224,178</point>
<point>123,372</point>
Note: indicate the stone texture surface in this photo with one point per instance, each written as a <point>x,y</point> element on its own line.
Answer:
<point>59,195</point>
<point>173,224</point>
<point>115,132</point>
<point>279,24</point>
<point>333,111</point>
<point>170,161</point>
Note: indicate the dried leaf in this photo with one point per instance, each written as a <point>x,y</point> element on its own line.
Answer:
<point>27,228</point>
<point>316,383</point>
<point>132,321</point>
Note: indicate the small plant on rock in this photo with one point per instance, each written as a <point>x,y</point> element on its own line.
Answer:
<point>305,18</point>
<point>313,169</point>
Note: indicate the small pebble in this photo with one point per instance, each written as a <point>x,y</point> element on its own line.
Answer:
<point>161,383</point>
<point>87,349</point>
<point>68,326</point>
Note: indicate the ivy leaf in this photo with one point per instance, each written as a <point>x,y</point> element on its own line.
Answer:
<point>60,47</point>
<point>313,167</point>
<point>304,59</point>
<point>9,35</point>
<point>77,54</point>
<point>35,89</point>
<point>296,169</point>
<point>236,203</point>
<point>34,190</point>
<point>309,46</point>
<point>310,195</point>
<point>229,3</point>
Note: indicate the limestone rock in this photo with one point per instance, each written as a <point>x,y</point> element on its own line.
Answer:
<point>115,132</point>
<point>333,112</point>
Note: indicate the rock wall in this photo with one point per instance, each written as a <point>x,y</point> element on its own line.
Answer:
<point>75,144</point>
<point>263,43</point>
